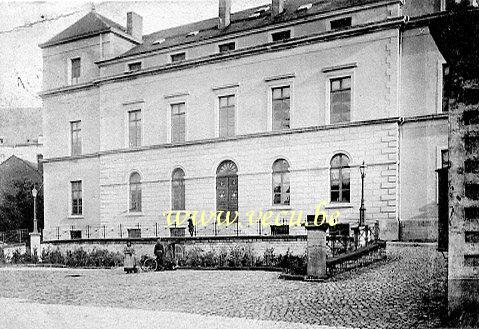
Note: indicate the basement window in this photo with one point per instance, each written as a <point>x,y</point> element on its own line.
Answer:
<point>281,36</point>
<point>132,67</point>
<point>178,57</point>
<point>341,23</point>
<point>75,234</point>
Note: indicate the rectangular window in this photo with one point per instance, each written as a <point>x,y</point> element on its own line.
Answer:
<point>225,47</point>
<point>340,23</point>
<point>75,70</point>
<point>445,87</point>
<point>134,118</point>
<point>178,122</point>
<point>340,99</point>
<point>77,209</point>
<point>227,116</point>
<point>132,67</point>
<point>281,102</point>
<point>75,136</point>
<point>444,158</point>
<point>178,57</point>
<point>280,36</point>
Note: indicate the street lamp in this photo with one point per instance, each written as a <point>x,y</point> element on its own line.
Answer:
<point>35,193</point>
<point>362,210</point>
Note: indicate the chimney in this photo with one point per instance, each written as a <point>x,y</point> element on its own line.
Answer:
<point>277,7</point>
<point>134,25</point>
<point>224,17</point>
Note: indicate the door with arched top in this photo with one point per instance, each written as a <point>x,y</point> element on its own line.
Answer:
<point>227,187</point>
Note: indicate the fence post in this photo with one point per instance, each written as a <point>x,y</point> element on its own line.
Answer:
<point>58,232</point>
<point>156,229</point>
<point>104,231</point>
<point>20,236</point>
<point>121,232</point>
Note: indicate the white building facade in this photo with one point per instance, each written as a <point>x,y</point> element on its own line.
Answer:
<point>271,109</point>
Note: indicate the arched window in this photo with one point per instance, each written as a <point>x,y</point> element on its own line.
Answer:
<point>178,189</point>
<point>340,178</point>
<point>135,192</point>
<point>281,186</point>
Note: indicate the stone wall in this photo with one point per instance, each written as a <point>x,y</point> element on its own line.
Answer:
<point>295,244</point>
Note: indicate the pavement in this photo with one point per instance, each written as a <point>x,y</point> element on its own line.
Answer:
<point>21,314</point>
<point>405,291</point>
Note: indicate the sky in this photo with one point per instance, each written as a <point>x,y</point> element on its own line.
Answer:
<point>26,24</point>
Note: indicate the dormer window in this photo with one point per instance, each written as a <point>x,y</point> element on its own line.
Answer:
<point>158,41</point>
<point>305,7</point>
<point>193,33</point>
<point>132,67</point>
<point>281,36</point>
<point>226,47</point>
<point>340,23</point>
<point>75,70</point>
<point>178,57</point>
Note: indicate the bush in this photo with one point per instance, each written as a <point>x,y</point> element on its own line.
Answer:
<point>81,258</point>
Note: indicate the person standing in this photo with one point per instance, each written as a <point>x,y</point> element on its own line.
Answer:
<point>191,226</point>
<point>159,252</point>
<point>129,263</point>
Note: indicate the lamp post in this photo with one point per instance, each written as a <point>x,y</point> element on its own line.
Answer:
<point>35,225</point>
<point>362,210</point>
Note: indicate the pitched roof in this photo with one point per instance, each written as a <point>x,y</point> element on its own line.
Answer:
<point>90,24</point>
<point>240,21</point>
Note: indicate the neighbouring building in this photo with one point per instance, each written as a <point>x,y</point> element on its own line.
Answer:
<point>271,108</point>
<point>21,133</point>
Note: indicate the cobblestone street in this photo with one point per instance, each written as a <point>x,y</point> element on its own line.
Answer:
<point>406,291</point>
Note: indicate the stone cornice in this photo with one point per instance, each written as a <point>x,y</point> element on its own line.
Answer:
<point>214,58</point>
<point>223,140</point>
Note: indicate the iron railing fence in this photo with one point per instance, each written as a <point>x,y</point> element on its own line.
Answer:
<point>152,230</point>
<point>14,236</point>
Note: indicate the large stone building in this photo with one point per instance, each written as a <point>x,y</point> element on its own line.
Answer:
<point>271,108</point>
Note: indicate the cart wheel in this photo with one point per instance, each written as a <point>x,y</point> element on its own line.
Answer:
<point>149,265</point>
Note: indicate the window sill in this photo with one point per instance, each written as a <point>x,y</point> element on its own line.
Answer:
<point>280,207</point>
<point>338,205</point>
<point>76,217</point>
<point>134,214</point>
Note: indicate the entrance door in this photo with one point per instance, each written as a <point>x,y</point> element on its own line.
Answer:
<point>227,187</point>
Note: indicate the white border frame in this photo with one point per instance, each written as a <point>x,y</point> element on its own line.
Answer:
<point>327,97</point>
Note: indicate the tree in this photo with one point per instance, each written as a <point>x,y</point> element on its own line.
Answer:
<point>16,206</point>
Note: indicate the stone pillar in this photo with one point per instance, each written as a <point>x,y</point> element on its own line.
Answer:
<point>463,265</point>
<point>35,246</point>
<point>316,250</point>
